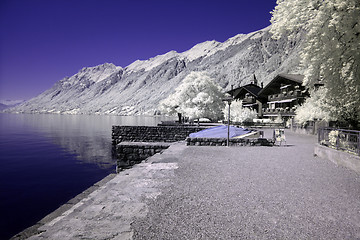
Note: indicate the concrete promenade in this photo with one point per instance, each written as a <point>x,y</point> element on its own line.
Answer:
<point>221,193</point>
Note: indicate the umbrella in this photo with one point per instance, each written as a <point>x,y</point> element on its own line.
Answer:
<point>220,132</point>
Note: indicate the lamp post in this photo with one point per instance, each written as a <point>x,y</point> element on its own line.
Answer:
<point>228,99</point>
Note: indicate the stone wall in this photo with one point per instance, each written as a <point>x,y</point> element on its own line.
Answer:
<point>151,133</point>
<point>133,144</point>
<point>232,142</point>
<point>130,153</point>
<point>338,157</point>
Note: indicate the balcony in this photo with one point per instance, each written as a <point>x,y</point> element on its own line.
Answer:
<point>248,100</point>
<point>277,111</point>
<point>283,96</point>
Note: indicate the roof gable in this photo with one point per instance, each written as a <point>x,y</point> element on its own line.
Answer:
<point>241,91</point>
<point>293,79</point>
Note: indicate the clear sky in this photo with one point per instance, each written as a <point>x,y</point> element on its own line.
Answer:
<point>43,41</point>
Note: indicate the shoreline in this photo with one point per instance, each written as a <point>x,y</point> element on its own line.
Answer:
<point>193,192</point>
<point>108,208</point>
<point>34,229</point>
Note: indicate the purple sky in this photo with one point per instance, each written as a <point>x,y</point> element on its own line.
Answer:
<point>43,41</point>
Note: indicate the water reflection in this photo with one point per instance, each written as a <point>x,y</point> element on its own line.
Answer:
<point>45,160</point>
<point>86,136</point>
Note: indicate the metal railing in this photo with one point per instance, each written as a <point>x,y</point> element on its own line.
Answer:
<point>340,139</point>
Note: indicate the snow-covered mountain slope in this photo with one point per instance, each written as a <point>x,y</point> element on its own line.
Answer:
<point>139,87</point>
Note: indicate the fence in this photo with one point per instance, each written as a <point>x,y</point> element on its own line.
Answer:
<point>340,139</point>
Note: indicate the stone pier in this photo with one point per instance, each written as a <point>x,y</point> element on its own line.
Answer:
<point>130,153</point>
<point>133,144</point>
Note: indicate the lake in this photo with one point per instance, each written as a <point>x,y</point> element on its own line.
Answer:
<point>45,160</point>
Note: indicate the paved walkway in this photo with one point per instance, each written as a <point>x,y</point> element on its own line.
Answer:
<point>221,193</point>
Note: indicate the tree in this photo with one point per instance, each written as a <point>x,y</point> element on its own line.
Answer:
<point>198,96</point>
<point>331,50</point>
<point>313,108</point>
<point>238,113</point>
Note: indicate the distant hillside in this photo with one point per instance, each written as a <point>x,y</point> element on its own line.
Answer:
<point>138,88</point>
<point>4,104</point>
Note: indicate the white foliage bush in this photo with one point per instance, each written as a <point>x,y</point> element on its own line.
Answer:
<point>314,108</point>
<point>198,96</point>
<point>333,136</point>
<point>278,119</point>
<point>238,113</point>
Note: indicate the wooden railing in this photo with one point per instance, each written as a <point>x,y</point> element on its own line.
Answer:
<point>282,96</point>
<point>279,111</point>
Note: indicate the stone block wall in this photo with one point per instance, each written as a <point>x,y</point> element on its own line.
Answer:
<point>232,142</point>
<point>133,144</point>
<point>151,133</point>
<point>130,153</point>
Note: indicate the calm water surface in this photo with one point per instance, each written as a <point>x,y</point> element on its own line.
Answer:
<point>45,160</point>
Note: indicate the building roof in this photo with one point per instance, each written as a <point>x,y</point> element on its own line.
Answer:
<point>249,88</point>
<point>253,90</point>
<point>279,80</point>
<point>294,77</point>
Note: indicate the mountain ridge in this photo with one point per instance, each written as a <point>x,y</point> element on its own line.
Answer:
<point>138,87</point>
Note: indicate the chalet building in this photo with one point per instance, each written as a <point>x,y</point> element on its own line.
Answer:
<point>249,94</point>
<point>283,94</point>
<point>278,98</point>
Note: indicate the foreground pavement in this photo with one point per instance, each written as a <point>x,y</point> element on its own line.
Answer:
<point>107,212</point>
<point>221,193</point>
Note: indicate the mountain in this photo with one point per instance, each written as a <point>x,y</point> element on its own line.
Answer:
<point>4,104</point>
<point>139,87</point>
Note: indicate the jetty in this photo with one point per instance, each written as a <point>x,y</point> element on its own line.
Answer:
<point>219,192</point>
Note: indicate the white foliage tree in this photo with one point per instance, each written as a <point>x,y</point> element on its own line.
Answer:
<point>238,113</point>
<point>331,52</point>
<point>198,96</point>
<point>314,108</point>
